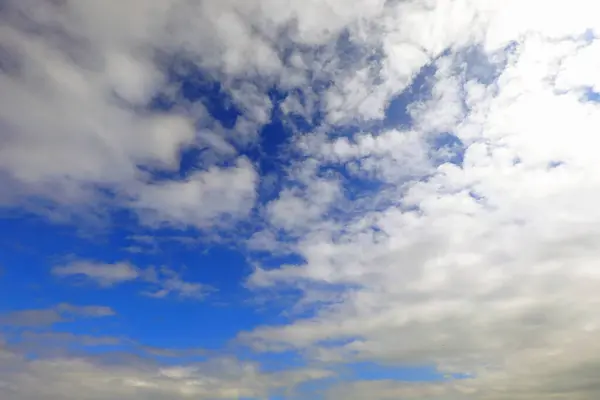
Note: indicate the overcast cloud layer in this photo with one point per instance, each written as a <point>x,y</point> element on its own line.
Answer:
<point>467,239</point>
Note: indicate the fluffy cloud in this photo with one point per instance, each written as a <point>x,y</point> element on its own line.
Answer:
<point>484,268</point>
<point>74,126</point>
<point>206,198</point>
<point>79,93</point>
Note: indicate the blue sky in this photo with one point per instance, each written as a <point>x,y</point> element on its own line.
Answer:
<point>311,200</point>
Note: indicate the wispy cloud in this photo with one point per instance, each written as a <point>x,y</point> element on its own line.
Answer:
<point>103,274</point>
<point>164,281</point>
<point>49,316</point>
<point>168,282</point>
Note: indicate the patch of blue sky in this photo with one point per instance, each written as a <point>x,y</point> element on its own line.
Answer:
<point>270,153</point>
<point>446,148</point>
<point>397,114</point>
<point>481,66</point>
<point>277,361</point>
<point>555,164</point>
<point>269,260</point>
<point>196,85</point>
<point>31,243</point>
<point>371,371</point>
<point>37,246</point>
<point>589,94</point>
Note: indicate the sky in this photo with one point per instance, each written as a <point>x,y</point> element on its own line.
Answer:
<point>299,199</point>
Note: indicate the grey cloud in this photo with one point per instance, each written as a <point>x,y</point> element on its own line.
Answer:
<point>31,318</point>
<point>78,378</point>
<point>68,338</point>
<point>50,316</point>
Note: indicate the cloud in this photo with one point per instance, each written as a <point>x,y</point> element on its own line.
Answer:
<point>484,266</point>
<point>103,274</point>
<point>389,389</point>
<point>67,338</point>
<point>297,210</point>
<point>41,342</point>
<point>206,198</point>
<point>164,281</point>
<point>168,282</point>
<point>76,378</point>
<point>50,316</point>
<point>85,311</point>
<point>81,105</point>
<point>88,103</point>
<point>31,317</point>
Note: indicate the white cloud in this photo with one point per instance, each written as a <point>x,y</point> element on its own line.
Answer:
<point>486,268</point>
<point>70,124</point>
<point>297,209</point>
<point>204,199</point>
<point>75,90</point>
<point>103,274</point>
<point>444,110</point>
<point>390,156</point>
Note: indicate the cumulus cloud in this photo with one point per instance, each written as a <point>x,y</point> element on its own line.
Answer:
<point>76,125</point>
<point>483,266</point>
<point>206,198</point>
<point>79,93</point>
